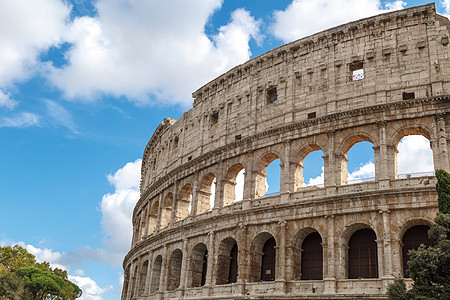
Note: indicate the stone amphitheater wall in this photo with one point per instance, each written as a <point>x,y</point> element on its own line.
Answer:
<point>236,124</point>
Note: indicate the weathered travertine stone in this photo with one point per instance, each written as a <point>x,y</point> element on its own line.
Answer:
<point>378,80</point>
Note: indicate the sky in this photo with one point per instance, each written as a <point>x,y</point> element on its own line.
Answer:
<point>83,86</point>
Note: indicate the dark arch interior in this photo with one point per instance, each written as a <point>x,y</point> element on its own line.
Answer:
<point>362,255</point>
<point>268,261</point>
<point>312,257</point>
<point>412,239</point>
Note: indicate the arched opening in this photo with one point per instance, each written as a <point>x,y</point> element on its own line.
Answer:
<point>153,218</point>
<point>198,265</point>
<point>358,164</point>
<point>143,278</point>
<point>174,272</point>
<point>310,167</point>
<point>412,239</point>
<point>417,149</point>
<point>267,181</point>
<point>156,274</point>
<point>362,255</point>
<point>166,210</point>
<point>263,259</point>
<point>312,257</point>
<point>184,202</point>
<point>206,194</point>
<point>233,184</point>
<point>227,267</point>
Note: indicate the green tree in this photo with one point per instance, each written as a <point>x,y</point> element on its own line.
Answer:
<point>21,277</point>
<point>429,267</point>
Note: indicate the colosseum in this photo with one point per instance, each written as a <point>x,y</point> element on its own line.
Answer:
<point>377,80</point>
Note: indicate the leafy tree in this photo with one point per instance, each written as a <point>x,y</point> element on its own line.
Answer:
<point>429,267</point>
<point>22,278</point>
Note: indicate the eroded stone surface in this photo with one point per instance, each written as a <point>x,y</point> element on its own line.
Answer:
<point>285,104</point>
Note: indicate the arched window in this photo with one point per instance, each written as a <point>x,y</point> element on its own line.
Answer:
<point>233,184</point>
<point>415,148</point>
<point>153,218</point>
<point>362,255</point>
<point>268,260</point>
<point>412,239</point>
<point>143,278</point>
<point>166,210</point>
<point>156,274</point>
<point>310,169</point>
<point>184,202</point>
<point>133,281</point>
<point>206,193</point>
<point>227,267</point>
<point>312,257</point>
<point>198,265</point>
<point>267,181</point>
<point>174,272</point>
<point>360,163</point>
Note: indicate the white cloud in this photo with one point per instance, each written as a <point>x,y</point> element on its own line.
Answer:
<point>446,5</point>
<point>21,120</point>
<point>365,171</point>
<point>151,48</point>
<point>117,209</point>
<point>416,149</point>
<point>317,181</point>
<point>303,17</point>
<point>59,116</point>
<point>91,290</point>
<point>6,101</point>
<point>27,27</point>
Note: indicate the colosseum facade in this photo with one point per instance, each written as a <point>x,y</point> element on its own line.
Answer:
<point>377,80</point>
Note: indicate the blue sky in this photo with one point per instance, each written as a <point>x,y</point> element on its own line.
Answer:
<point>83,85</point>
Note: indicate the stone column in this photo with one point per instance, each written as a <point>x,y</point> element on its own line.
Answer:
<point>183,271</point>
<point>194,196</point>
<point>160,207</point>
<point>441,159</point>
<point>173,216</point>
<point>243,259</point>
<point>218,197</point>
<point>387,247</point>
<point>392,170</point>
<point>285,174</point>
<point>380,244</point>
<point>280,279</point>
<point>149,273</point>
<point>210,261</point>
<point>329,165</point>
<point>249,178</point>
<point>382,166</point>
<point>164,268</point>
<point>330,276</point>
<point>131,282</point>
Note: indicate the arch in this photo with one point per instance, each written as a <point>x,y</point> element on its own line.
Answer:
<point>263,258</point>
<point>229,183</point>
<point>198,265</point>
<point>410,130</point>
<point>166,212</point>
<point>133,281</point>
<point>153,217</point>
<point>312,257</point>
<point>174,272</point>
<point>156,274</point>
<point>299,180</point>
<point>184,202</point>
<point>204,193</point>
<point>415,148</point>
<point>361,174</point>
<point>260,180</point>
<point>143,278</point>
<point>363,254</point>
<point>298,250</point>
<point>227,264</point>
<point>411,223</point>
<point>412,239</point>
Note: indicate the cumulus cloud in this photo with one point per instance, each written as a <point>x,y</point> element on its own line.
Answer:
<point>365,172</point>
<point>146,49</point>
<point>446,5</point>
<point>414,148</point>
<point>316,181</point>
<point>20,120</point>
<point>91,290</point>
<point>117,211</point>
<point>27,27</point>
<point>302,17</point>
<point>6,101</point>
